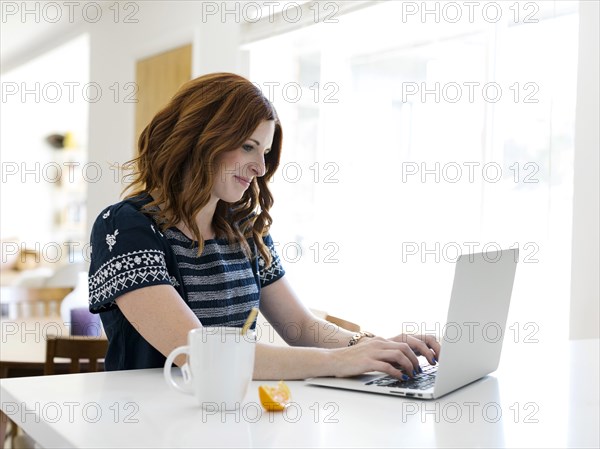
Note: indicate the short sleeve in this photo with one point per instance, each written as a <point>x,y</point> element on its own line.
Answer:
<point>127,254</point>
<point>273,272</point>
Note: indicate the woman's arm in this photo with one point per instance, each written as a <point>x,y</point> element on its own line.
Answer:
<point>163,319</point>
<point>295,323</point>
<point>161,316</point>
<point>299,327</point>
<point>372,354</point>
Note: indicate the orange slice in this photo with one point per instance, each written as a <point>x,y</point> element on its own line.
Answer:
<point>274,398</point>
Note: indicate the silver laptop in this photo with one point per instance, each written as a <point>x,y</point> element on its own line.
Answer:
<point>472,337</point>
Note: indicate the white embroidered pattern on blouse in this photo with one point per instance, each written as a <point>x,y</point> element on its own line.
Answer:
<point>106,215</point>
<point>174,281</point>
<point>273,271</point>
<point>127,270</point>
<point>155,231</point>
<point>111,239</point>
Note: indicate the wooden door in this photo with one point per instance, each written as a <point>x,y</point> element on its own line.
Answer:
<point>158,78</point>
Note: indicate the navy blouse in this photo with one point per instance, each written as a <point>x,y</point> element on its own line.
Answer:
<point>130,252</point>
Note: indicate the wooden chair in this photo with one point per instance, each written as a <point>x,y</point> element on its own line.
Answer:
<point>344,324</point>
<point>341,322</point>
<point>76,348</point>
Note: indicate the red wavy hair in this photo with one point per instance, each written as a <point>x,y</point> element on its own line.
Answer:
<point>180,148</point>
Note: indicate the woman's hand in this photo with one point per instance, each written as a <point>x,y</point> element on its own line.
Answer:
<point>395,358</point>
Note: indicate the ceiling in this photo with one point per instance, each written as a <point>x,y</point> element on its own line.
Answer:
<point>29,31</point>
<point>25,36</point>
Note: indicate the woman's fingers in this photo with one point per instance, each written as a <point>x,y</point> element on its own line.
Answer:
<point>425,345</point>
<point>397,353</point>
<point>389,369</point>
<point>432,343</point>
<point>422,348</point>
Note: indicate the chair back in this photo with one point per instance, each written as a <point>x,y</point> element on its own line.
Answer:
<point>76,348</point>
<point>344,324</point>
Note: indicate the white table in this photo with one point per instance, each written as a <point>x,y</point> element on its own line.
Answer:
<point>546,396</point>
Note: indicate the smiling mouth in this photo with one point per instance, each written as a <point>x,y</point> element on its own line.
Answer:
<point>245,182</point>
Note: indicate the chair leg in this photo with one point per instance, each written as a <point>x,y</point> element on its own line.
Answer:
<point>24,441</point>
<point>3,425</point>
<point>12,432</point>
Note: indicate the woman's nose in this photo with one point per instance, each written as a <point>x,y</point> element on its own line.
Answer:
<point>258,167</point>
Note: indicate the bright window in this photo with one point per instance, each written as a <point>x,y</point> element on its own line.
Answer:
<point>408,141</point>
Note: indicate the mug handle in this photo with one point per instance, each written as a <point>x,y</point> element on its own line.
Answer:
<point>186,387</point>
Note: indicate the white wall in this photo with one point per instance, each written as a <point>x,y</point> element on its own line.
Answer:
<point>585,268</point>
<point>41,105</point>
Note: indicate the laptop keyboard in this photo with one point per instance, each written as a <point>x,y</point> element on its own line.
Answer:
<point>422,381</point>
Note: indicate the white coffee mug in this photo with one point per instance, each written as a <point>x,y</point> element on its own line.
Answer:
<point>219,367</point>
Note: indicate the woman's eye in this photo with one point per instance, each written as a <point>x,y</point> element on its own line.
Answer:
<point>247,147</point>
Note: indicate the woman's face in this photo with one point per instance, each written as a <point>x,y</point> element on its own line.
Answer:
<point>238,168</point>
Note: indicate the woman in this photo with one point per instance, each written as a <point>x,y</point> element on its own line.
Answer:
<point>190,246</point>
